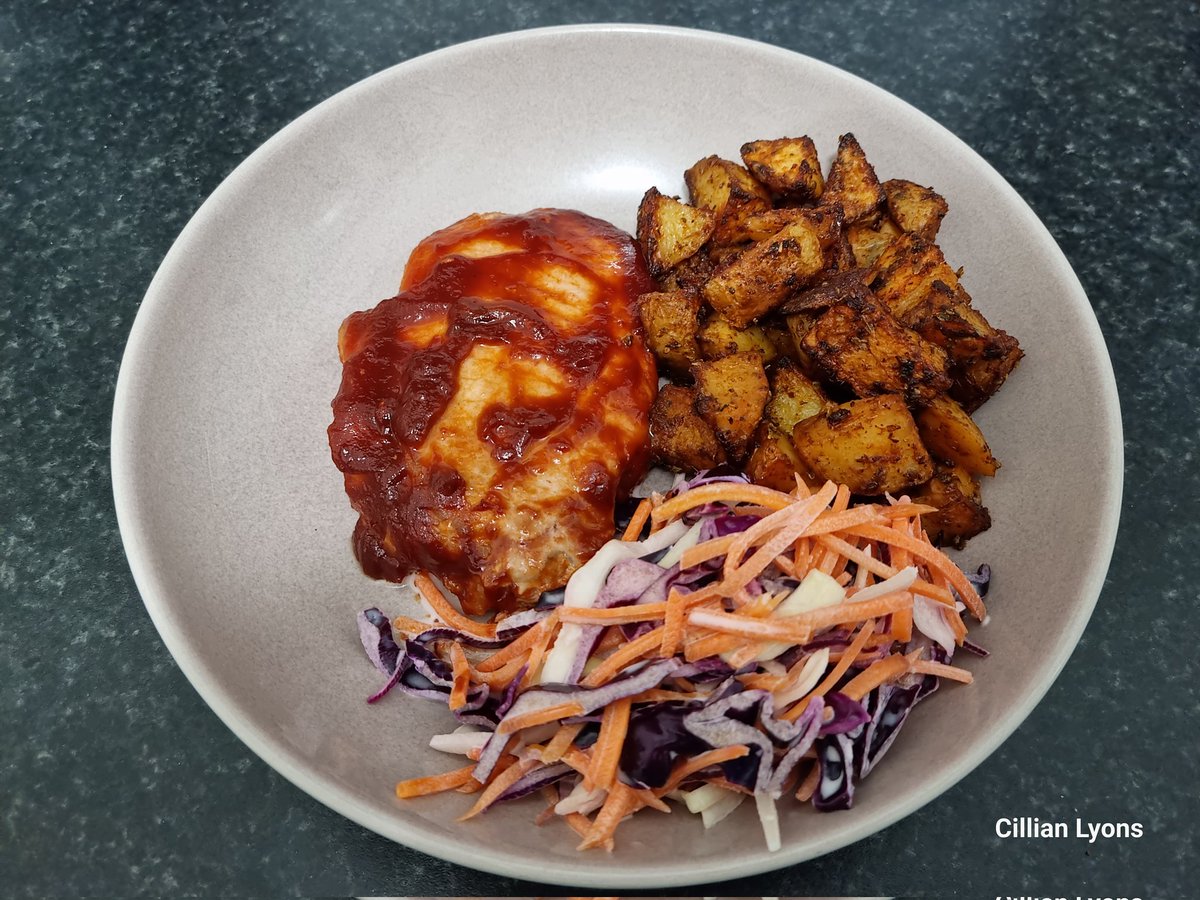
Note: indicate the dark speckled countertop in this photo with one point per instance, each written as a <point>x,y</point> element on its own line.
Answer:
<point>118,119</point>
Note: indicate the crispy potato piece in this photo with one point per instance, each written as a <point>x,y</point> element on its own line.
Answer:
<point>949,433</point>
<point>759,279</point>
<point>871,446</point>
<point>776,331</point>
<point>837,288</point>
<point>852,181</point>
<point>799,325</point>
<point>689,275</point>
<point>670,231</point>
<point>788,166</point>
<point>981,356</point>
<point>794,398</point>
<point>717,338</point>
<point>904,272</point>
<point>860,344</point>
<point>960,511</point>
<point>868,239</point>
<point>774,462</point>
<point>679,437</point>
<point>728,191</point>
<point>670,319</point>
<point>731,393</point>
<point>916,209</point>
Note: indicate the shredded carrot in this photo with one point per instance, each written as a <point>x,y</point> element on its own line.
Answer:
<point>933,557</point>
<point>634,529</point>
<point>434,784</point>
<point>551,797</point>
<point>537,654</point>
<point>498,785</point>
<point>406,625</point>
<point>886,669</point>
<point>706,550</point>
<point>648,798</point>
<point>688,767</point>
<point>462,676</point>
<point>721,492</point>
<point>518,648</point>
<point>635,649</point>
<point>446,611</point>
<point>606,752</point>
<point>835,675</point>
<point>501,677</point>
<point>610,640</point>
<point>621,801</point>
<point>711,645</point>
<point>954,673</point>
<point>561,742</point>
<point>808,786</point>
<point>791,521</point>
<point>849,551</point>
<point>615,615</point>
<point>673,624</point>
<point>579,823</point>
<point>513,724</point>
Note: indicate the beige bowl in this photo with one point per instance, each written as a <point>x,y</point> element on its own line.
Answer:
<point>234,518</point>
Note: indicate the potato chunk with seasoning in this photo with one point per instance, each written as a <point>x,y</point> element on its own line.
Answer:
<point>904,272</point>
<point>679,437</point>
<point>670,319</point>
<point>794,398</point>
<point>869,239</point>
<point>670,231</point>
<point>759,279</point>
<point>960,511</point>
<point>860,344</point>
<point>871,446</point>
<point>718,338</point>
<point>788,166</point>
<point>915,209</point>
<point>731,393</point>
<point>774,462</point>
<point>981,356</point>
<point>726,190</point>
<point>852,181</point>
<point>949,433</point>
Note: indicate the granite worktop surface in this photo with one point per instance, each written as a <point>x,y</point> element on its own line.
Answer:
<point>118,119</point>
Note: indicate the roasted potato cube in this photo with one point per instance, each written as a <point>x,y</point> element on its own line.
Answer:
<point>960,511</point>
<point>788,166</point>
<point>717,339</point>
<point>777,333</point>
<point>689,275</point>
<point>774,462</point>
<point>915,209</point>
<point>728,191</point>
<point>871,446</point>
<point>950,434</point>
<point>860,344</point>
<point>904,272</point>
<point>670,319</point>
<point>679,437</point>
<point>868,239</point>
<point>670,231</point>
<point>836,288</point>
<point>794,398</point>
<point>731,393</point>
<point>765,274</point>
<point>852,182</point>
<point>981,356</point>
<point>799,325</point>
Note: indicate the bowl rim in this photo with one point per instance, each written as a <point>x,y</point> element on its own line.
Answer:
<point>586,873</point>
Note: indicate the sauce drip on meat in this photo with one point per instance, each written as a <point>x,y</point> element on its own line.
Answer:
<point>492,413</point>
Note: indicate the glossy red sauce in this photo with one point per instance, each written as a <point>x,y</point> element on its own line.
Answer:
<point>426,501</point>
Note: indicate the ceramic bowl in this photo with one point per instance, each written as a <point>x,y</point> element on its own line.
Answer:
<point>234,518</point>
